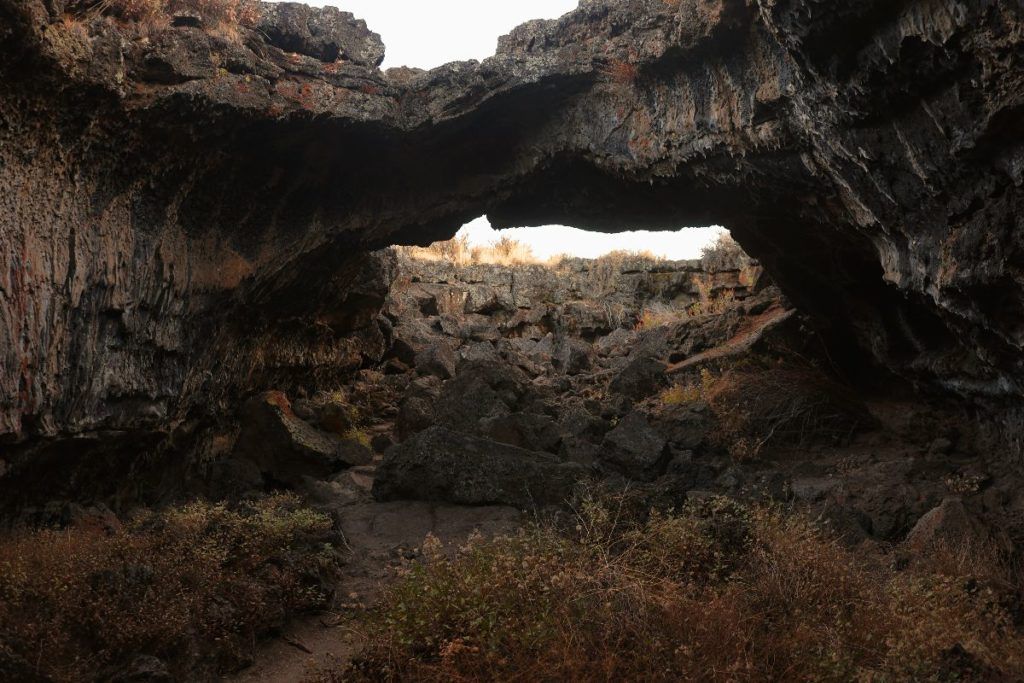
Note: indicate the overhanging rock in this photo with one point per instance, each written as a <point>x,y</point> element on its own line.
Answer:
<point>178,205</point>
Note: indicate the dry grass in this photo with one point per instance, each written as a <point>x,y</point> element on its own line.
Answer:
<point>709,301</point>
<point>719,592</point>
<point>684,393</point>
<point>725,253</point>
<point>216,14</point>
<point>657,316</point>
<point>605,271</point>
<point>762,403</point>
<point>193,586</point>
<point>457,251</point>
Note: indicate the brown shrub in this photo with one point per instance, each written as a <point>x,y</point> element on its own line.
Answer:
<point>192,586</point>
<point>504,251</point>
<point>216,14</point>
<point>656,316</point>
<point>719,592</point>
<point>762,404</point>
<point>725,253</point>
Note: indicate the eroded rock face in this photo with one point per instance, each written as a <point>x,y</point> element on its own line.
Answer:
<point>181,213</point>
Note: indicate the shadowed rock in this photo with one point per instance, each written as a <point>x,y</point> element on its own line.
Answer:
<point>442,465</point>
<point>181,210</point>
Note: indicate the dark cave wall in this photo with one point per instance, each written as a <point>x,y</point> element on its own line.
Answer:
<point>181,217</point>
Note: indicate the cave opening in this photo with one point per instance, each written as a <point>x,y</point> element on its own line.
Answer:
<point>225,400</point>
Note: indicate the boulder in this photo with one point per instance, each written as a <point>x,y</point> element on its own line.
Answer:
<point>684,426</point>
<point>634,448</point>
<point>416,410</point>
<point>288,448</point>
<point>324,33</point>
<point>480,351</point>
<point>616,343</point>
<point>526,430</point>
<point>642,377</point>
<point>480,390</point>
<point>572,356</point>
<point>438,359</point>
<point>951,526</point>
<point>440,464</point>
<point>487,299</point>
<point>410,337</point>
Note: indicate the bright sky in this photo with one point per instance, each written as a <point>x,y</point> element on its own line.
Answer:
<point>429,34</point>
<point>553,240</point>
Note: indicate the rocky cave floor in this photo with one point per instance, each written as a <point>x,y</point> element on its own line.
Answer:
<point>504,389</point>
<point>471,405</point>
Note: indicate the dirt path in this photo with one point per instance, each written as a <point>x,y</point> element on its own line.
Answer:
<point>381,537</point>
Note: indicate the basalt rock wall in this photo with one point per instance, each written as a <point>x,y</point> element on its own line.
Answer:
<point>183,207</point>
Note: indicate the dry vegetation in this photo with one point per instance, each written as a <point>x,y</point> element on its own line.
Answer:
<point>725,253</point>
<point>718,592</point>
<point>457,251</point>
<point>193,586</point>
<point>222,14</point>
<point>761,403</point>
<point>508,251</point>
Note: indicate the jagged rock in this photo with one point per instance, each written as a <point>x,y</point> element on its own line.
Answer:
<point>950,527</point>
<point>615,343</point>
<point>484,299</point>
<point>531,431</point>
<point>642,377</point>
<point>572,356</point>
<point>411,337</point>
<point>416,410</point>
<point>442,465</point>
<point>634,448</point>
<point>684,426</point>
<point>288,448</point>
<point>320,32</point>
<point>438,359</point>
<point>479,391</point>
<point>478,352</point>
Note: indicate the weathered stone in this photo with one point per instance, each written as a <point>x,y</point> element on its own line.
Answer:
<point>949,527</point>
<point>442,465</point>
<point>634,448</point>
<point>416,411</point>
<point>320,32</point>
<point>572,356</point>
<point>438,359</point>
<point>642,377</point>
<point>526,430</point>
<point>287,448</point>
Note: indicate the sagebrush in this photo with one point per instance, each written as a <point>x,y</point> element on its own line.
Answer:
<point>193,586</point>
<point>718,592</point>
